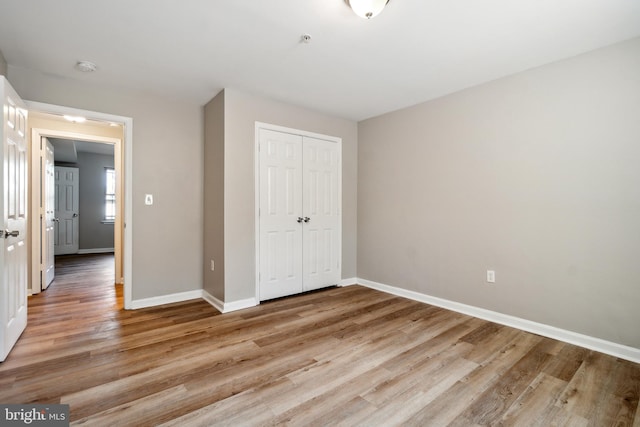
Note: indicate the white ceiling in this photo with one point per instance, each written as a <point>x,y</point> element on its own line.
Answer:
<point>414,51</point>
<point>66,150</point>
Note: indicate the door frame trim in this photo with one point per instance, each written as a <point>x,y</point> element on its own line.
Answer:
<point>125,157</point>
<point>256,174</point>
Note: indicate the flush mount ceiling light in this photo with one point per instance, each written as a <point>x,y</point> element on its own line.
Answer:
<point>86,66</point>
<point>367,9</point>
<point>74,119</point>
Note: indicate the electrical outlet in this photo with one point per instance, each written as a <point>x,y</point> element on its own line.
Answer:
<point>491,276</point>
<point>212,266</point>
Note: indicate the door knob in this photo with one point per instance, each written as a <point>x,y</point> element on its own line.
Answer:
<point>307,219</point>
<point>56,219</point>
<point>13,233</point>
<point>75,215</point>
<point>299,220</point>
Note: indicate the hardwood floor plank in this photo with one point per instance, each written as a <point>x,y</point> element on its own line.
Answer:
<point>312,409</point>
<point>496,399</point>
<point>428,348</point>
<point>452,403</point>
<point>540,397</point>
<point>139,409</point>
<point>341,356</point>
<point>414,376</point>
<point>147,382</point>
<point>588,385</point>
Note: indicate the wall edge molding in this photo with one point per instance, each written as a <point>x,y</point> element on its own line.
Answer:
<point>348,282</point>
<point>215,302</point>
<point>166,299</point>
<point>226,307</point>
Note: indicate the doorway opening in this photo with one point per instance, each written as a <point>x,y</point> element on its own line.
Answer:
<point>81,217</point>
<point>100,135</point>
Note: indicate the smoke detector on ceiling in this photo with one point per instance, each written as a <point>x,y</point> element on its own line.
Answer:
<point>86,66</point>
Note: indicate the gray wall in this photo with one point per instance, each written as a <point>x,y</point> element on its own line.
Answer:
<point>535,176</point>
<point>3,65</point>
<point>214,196</point>
<point>167,162</point>
<point>93,233</point>
<point>240,114</point>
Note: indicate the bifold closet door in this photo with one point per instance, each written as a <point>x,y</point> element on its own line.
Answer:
<point>321,235</point>
<point>280,213</point>
<point>299,214</point>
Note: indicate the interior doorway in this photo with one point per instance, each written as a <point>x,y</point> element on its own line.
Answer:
<point>74,148</point>
<point>84,208</point>
<point>121,143</point>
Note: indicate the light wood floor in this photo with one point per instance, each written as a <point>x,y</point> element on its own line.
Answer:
<point>343,356</point>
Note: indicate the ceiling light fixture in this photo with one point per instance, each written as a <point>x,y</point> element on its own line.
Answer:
<point>86,66</point>
<point>75,119</point>
<point>367,9</point>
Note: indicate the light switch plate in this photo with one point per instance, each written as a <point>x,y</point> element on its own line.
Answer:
<point>491,276</point>
<point>148,199</point>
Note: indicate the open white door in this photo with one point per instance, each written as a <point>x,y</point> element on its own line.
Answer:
<point>67,205</point>
<point>49,228</point>
<point>13,205</point>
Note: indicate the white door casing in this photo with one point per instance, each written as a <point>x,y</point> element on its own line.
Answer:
<point>299,214</point>
<point>67,205</point>
<point>48,202</point>
<point>13,205</point>
<point>123,153</point>
<point>37,185</point>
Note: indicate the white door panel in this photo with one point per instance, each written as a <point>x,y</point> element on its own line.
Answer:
<point>49,195</point>
<point>67,194</point>
<point>281,206</point>
<point>13,205</point>
<point>321,249</point>
<point>300,218</point>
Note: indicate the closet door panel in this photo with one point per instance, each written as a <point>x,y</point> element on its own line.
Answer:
<point>321,211</point>
<point>280,209</point>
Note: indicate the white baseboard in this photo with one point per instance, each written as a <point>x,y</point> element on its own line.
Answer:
<point>166,299</point>
<point>215,302</point>
<point>226,307</point>
<point>348,282</point>
<point>597,344</point>
<point>95,251</point>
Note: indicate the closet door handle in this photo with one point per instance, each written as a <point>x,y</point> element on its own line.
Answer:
<point>13,233</point>
<point>307,219</point>
<point>299,220</point>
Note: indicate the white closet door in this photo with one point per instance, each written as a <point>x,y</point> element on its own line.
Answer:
<point>280,214</point>
<point>322,216</point>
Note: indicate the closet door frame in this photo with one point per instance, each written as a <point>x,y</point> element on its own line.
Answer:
<point>266,126</point>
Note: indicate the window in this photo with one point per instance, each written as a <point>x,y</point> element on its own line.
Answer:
<point>110,195</point>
